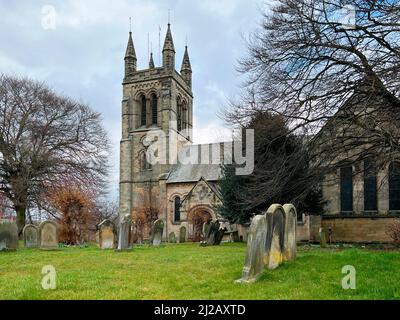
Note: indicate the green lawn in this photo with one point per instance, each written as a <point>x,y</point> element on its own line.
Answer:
<point>188,271</point>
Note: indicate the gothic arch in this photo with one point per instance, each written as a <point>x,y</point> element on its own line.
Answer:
<point>139,94</point>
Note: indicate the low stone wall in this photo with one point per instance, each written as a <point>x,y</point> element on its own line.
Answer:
<point>358,229</point>
<point>303,229</point>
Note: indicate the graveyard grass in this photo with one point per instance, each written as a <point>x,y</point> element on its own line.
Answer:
<point>187,271</point>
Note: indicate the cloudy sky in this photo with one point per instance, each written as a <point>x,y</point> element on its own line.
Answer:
<point>77,47</point>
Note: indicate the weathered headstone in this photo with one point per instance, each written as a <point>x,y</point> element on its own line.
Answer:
<point>182,234</point>
<point>172,237</point>
<point>107,239</point>
<point>206,228</point>
<point>31,236</point>
<point>124,232</point>
<point>274,244</point>
<point>157,232</point>
<point>235,236</point>
<point>322,237</point>
<point>48,235</point>
<point>8,235</point>
<point>219,234</point>
<point>290,246</point>
<point>254,263</point>
<point>212,231</point>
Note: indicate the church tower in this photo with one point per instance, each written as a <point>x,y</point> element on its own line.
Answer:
<point>156,98</point>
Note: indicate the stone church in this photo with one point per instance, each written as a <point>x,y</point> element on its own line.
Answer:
<point>160,99</point>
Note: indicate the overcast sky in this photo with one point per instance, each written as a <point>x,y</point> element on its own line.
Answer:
<point>77,47</point>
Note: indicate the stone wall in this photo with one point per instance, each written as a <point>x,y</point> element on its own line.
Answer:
<point>358,229</point>
<point>303,229</point>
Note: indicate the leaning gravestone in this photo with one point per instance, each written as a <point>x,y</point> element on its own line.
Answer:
<point>290,246</point>
<point>182,234</point>
<point>172,238</point>
<point>274,244</point>
<point>107,239</point>
<point>219,234</point>
<point>322,237</point>
<point>254,263</point>
<point>157,232</point>
<point>31,236</point>
<point>8,235</point>
<point>212,232</point>
<point>48,235</point>
<point>124,232</point>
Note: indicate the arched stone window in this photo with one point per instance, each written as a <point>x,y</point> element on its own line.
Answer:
<point>177,209</point>
<point>179,116</point>
<point>143,111</point>
<point>184,116</point>
<point>154,110</point>
<point>346,189</point>
<point>370,193</point>
<point>144,164</point>
<point>394,186</point>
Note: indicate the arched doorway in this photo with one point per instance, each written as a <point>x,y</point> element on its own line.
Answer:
<point>196,218</point>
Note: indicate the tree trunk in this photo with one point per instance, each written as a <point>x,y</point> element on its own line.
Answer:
<point>21,217</point>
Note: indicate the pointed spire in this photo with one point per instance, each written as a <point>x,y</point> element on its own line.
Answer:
<point>186,70</point>
<point>130,49</point>
<point>186,61</point>
<point>130,57</point>
<point>151,62</point>
<point>169,42</point>
<point>169,51</point>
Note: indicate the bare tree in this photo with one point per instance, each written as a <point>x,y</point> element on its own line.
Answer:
<point>312,64</point>
<point>45,139</point>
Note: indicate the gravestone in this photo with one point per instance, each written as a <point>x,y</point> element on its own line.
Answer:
<point>182,234</point>
<point>235,236</point>
<point>48,235</point>
<point>8,235</point>
<point>254,263</point>
<point>107,239</point>
<point>212,230</point>
<point>274,244</point>
<point>212,233</point>
<point>31,236</point>
<point>219,234</point>
<point>290,246</point>
<point>124,232</point>
<point>172,238</point>
<point>157,232</point>
<point>322,237</point>
<point>206,228</point>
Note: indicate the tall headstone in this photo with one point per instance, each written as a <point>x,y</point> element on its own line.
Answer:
<point>172,237</point>
<point>182,234</point>
<point>274,244</point>
<point>212,232</point>
<point>31,236</point>
<point>206,229</point>
<point>157,232</point>
<point>8,235</point>
<point>290,245</point>
<point>124,232</point>
<point>254,263</point>
<point>322,237</point>
<point>107,238</point>
<point>48,235</point>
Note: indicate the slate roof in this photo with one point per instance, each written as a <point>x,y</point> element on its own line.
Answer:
<point>194,172</point>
